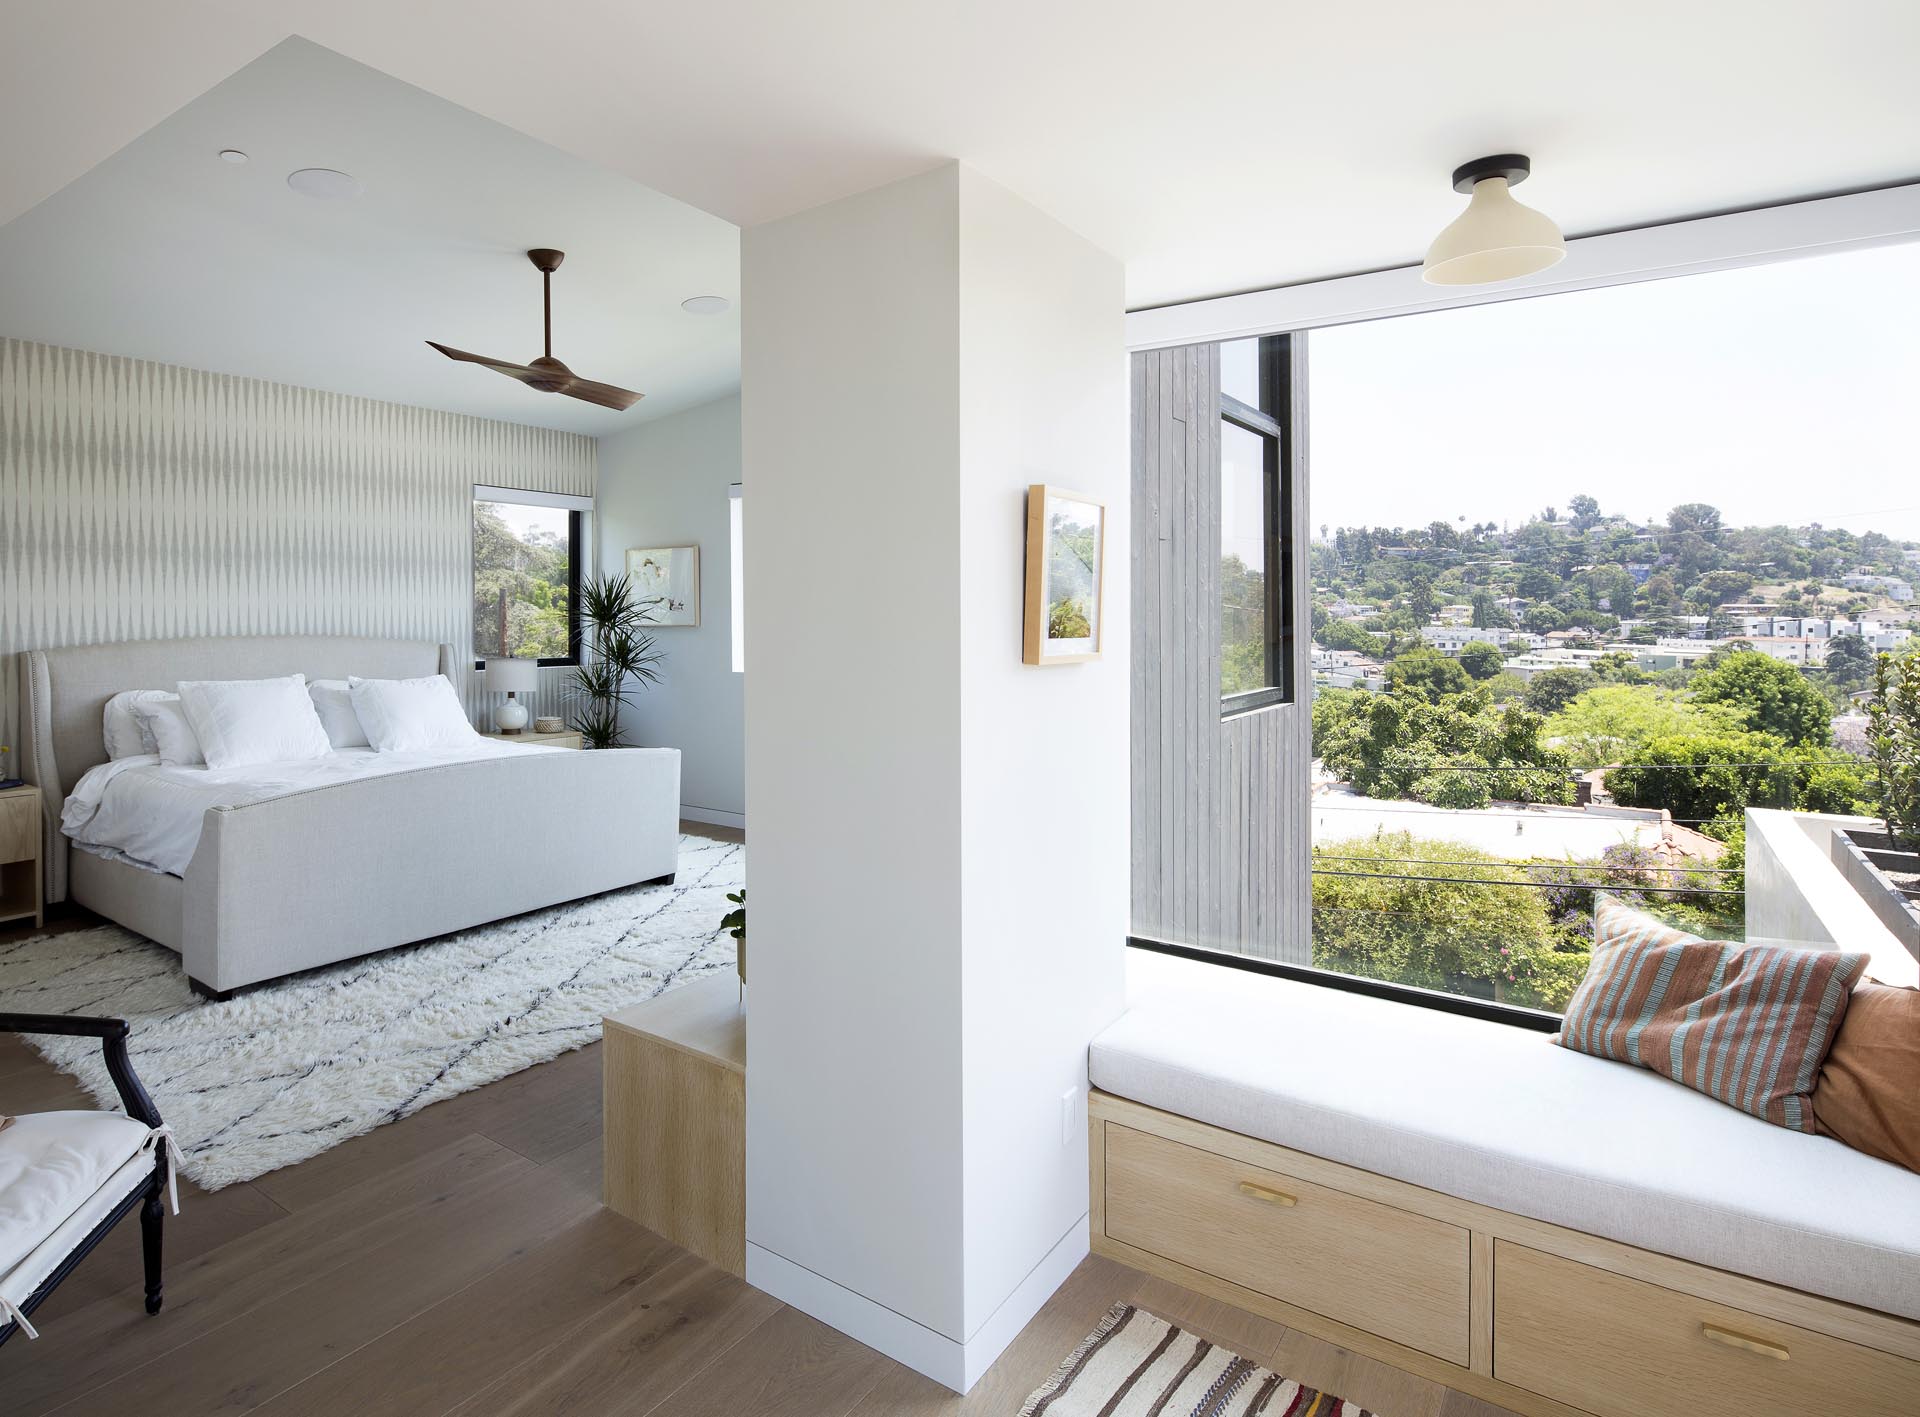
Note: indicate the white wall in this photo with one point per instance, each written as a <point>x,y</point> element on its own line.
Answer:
<point>665,483</point>
<point>1044,756</point>
<point>940,833</point>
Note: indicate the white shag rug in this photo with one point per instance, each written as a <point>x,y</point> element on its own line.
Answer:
<point>286,1070</point>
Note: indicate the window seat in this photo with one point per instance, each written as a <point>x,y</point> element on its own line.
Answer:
<point>1498,1116</point>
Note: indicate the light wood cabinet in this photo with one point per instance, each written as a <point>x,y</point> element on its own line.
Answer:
<point>21,889</point>
<point>676,1117</point>
<point>1394,1273</point>
<point>1609,1344</point>
<point>546,740</point>
<point>1539,1319</point>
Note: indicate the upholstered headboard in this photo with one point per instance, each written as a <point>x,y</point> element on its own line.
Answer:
<point>64,693</point>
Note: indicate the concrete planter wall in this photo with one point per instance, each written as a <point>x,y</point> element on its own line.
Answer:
<point>1864,857</point>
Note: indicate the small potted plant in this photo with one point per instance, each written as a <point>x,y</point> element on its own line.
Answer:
<point>1884,866</point>
<point>734,922</point>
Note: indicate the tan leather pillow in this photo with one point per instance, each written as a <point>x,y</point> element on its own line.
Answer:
<point>1868,1094</point>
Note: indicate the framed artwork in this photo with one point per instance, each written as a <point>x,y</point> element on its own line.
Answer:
<point>1066,575</point>
<point>666,582</point>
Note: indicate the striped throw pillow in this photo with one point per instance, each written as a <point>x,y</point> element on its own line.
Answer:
<point>1747,1024</point>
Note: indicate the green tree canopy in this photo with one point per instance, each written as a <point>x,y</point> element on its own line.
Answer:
<point>1771,696</point>
<point>1551,690</point>
<point>1481,659</point>
<point>1612,723</point>
<point>1425,673</point>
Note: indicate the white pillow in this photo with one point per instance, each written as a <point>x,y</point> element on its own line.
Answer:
<point>125,735</point>
<point>165,722</point>
<point>240,722</point>
<point>411,715</point>
<point>333,701</point>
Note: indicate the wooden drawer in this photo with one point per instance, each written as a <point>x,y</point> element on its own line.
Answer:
<point>1623,1348</point>
<point>19,826</point>
<point>1399,1275</point>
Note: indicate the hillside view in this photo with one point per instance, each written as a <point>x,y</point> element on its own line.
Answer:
<point>1651,679</point>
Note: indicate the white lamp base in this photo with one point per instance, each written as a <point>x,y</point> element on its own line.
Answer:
<point>510,717</point>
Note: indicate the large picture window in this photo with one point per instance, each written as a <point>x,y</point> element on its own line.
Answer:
<point>1255,666</point>
<point>526,576</point>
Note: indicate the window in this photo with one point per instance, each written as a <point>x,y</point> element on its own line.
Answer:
<point>1593,577</point>
<point>1255,665</point>
<point>526,574</point>
<point>736,577</point>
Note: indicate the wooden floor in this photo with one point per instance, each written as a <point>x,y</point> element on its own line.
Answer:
<point>459,1261</point>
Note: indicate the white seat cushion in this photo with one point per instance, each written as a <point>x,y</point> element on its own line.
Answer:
<point>1497,1115</point>
<point>51,1165</point>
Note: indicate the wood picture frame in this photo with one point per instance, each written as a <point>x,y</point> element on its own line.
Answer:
<point>1066,576</point>
<point>666,582</point>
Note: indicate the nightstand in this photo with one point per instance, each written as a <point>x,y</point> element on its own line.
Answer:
<point>20,885</point>
<point>546,740</point>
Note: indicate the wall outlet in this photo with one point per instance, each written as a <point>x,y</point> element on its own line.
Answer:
<point>1069,1115</point>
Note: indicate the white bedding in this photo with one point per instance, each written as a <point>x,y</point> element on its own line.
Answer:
<point>143,812</point>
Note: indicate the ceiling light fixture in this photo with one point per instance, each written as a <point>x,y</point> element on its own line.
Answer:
<point>706,305</point>
<point>232,155</point>
<point>1495,238</point>
<point>324,184</point>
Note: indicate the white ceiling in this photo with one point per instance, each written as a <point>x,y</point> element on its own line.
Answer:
<point>165,252</point>
<point>1216,145</point>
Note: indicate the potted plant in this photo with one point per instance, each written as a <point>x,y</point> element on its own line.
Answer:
<point>617,653</point>
<point>734,922</point>
<point>1884,866</point>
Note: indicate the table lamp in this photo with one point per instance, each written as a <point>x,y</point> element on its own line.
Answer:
<point>512,677</point>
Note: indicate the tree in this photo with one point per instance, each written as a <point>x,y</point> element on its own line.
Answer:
<point>1344,634</point>
<point>1460,751</point>
<point>1613,723</point>
<point>1849,662</point>
<point>1772,697</point>
<point>1454,922</point>
<point>1425,673</point>
<point>1487,615</point>
<point>1481,659</point>
<point>1551,690</point>
<point>1706,776</point>
<point>1695,517</point>
<point>1420,596</point>
<point>1586,511</point>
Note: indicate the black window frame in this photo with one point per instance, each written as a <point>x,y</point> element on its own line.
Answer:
<point>572,656</point>
<point>1269,423</point>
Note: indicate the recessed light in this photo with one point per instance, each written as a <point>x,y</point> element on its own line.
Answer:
<point>706,305</point>
<point>324,183</point>
<point>233,155</point>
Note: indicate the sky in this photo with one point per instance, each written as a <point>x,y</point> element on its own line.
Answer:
<point>1781,393</point>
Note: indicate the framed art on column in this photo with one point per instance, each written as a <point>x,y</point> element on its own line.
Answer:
<point>1066,575</point>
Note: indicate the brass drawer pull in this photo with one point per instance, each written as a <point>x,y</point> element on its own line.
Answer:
<point>1741,1341</point>
<point>1269,1196</point>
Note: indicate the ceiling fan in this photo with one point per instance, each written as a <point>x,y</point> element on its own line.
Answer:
<point>546,373</point>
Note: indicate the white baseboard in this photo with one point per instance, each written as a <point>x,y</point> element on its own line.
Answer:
<point>1016,1311</point>
<point>946,1360</point>
<point>713,816</point>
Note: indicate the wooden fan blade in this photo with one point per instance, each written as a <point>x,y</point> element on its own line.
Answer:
<point>507,367</point>
<point>606,395</point>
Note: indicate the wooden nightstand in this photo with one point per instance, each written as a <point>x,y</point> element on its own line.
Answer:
<point>21,891</point>
<point>546,740</point>
<point>676,1117</point>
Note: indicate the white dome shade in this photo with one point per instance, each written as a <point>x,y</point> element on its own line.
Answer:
<point>1495,238</point>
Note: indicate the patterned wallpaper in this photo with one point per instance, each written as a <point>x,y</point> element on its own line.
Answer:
<point>141,500</point>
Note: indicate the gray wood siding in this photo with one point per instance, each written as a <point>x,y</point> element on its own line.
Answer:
<point>1220,807</point>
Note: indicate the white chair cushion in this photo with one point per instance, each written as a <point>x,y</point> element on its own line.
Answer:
<point>51,1165</point>
<point>1497,1115</point>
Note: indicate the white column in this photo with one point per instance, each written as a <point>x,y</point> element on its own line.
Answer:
<point>939,858</point>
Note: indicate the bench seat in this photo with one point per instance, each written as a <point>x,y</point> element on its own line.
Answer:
<point>1499,1116</point>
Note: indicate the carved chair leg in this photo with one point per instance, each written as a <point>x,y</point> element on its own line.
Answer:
<point>152,1214</point>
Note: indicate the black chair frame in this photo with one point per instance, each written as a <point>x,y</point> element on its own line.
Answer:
<point>112,1033</point>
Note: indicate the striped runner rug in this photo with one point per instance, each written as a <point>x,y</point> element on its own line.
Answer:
<point>1136,1365</point>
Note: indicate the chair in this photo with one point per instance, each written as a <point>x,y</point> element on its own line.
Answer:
<point>67,1178</point>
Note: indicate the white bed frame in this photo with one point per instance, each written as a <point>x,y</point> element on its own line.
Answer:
<point>335,872</point>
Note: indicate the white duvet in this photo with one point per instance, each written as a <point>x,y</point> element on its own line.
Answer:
<point>136,810</point>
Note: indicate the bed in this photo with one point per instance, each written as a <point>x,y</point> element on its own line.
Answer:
<point>345,858</point>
